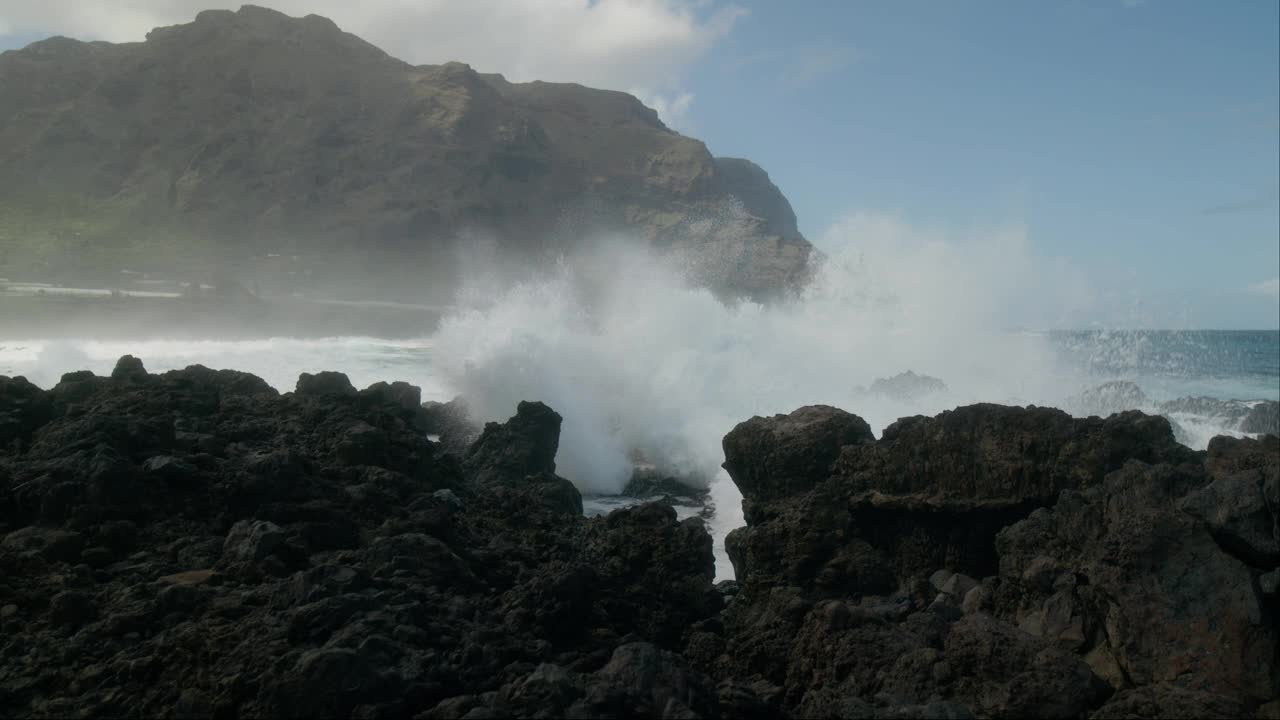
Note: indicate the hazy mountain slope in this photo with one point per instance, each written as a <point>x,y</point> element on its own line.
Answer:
<point>247,134</point>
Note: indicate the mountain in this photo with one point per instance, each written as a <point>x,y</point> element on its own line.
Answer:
<point>285,150</point>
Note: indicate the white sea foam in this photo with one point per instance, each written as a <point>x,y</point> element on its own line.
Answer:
<point>639,363</point>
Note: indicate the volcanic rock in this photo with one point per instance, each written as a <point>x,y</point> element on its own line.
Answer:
<point>1115,562</point>
<point>1108,398</point>
<point>782,456</point>
<point>525,445</point>
<point>195,544</point>
<point>907,387</point>
<point>297,572</point>
<point>1263,417</point>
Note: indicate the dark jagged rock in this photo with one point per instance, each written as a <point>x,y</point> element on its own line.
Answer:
<point>995,457</point>
<point>662,569</point>
<point>1257,417</point>
<point>1169,701</point>
<point>1114,562</point>
<point>325,383</point>
<point>1229,410</point>
<point>1121,575</point>
<point>639,681</point>
<point>525,445</point>
<point>907,386</point>
<point>400,394</point>
<point>931,492</point>
<point>1263,418</point>
<point>129,369</point>
<point>647,483</point>
<point>451,422</point>
<point>1108,398</point>
<point>785,455</point>
<point>1239,504</point>
<point>23,408</point>
<point>194,543</point>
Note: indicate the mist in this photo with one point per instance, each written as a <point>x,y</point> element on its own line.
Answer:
<point>645,366</point>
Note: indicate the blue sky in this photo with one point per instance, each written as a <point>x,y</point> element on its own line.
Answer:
<point>1139,142</point>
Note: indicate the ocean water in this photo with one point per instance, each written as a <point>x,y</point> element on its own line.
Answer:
<point>1169,364</point>
<point>645,368</point>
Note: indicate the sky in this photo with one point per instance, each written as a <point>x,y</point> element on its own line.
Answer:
<point>1135,144</point>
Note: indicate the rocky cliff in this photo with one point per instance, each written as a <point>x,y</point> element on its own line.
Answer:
<point>286,148</point>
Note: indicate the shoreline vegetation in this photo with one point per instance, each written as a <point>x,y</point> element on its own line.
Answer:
<point>195,543</point>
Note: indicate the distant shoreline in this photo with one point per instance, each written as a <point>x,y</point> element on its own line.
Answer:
<point>154,316</point>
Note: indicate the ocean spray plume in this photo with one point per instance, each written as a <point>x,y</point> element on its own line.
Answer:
<point>641,364</point>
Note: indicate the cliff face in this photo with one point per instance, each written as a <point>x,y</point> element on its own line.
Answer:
<point>248,134</point>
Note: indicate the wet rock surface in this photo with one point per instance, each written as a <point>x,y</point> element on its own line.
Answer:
<point>196,544</point>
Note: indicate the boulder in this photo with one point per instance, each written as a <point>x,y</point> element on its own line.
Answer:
<point>907,387</point>
<point>129,369</point>
<point>1108,398</point>
<point>323,384</point>
<point>197,388</point>
<point>399,394</point>
<point>1241,503</point>
<point>250,541</point>
<point>525,445</point>
<point>1263,418</point>
<point>787,455</point>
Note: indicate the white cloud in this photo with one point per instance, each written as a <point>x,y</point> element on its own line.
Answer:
<point>1267,288</point>
<point>672,108</point>
<point>616,44</point>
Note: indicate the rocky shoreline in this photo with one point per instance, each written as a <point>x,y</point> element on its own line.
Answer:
<point>196,544</point>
